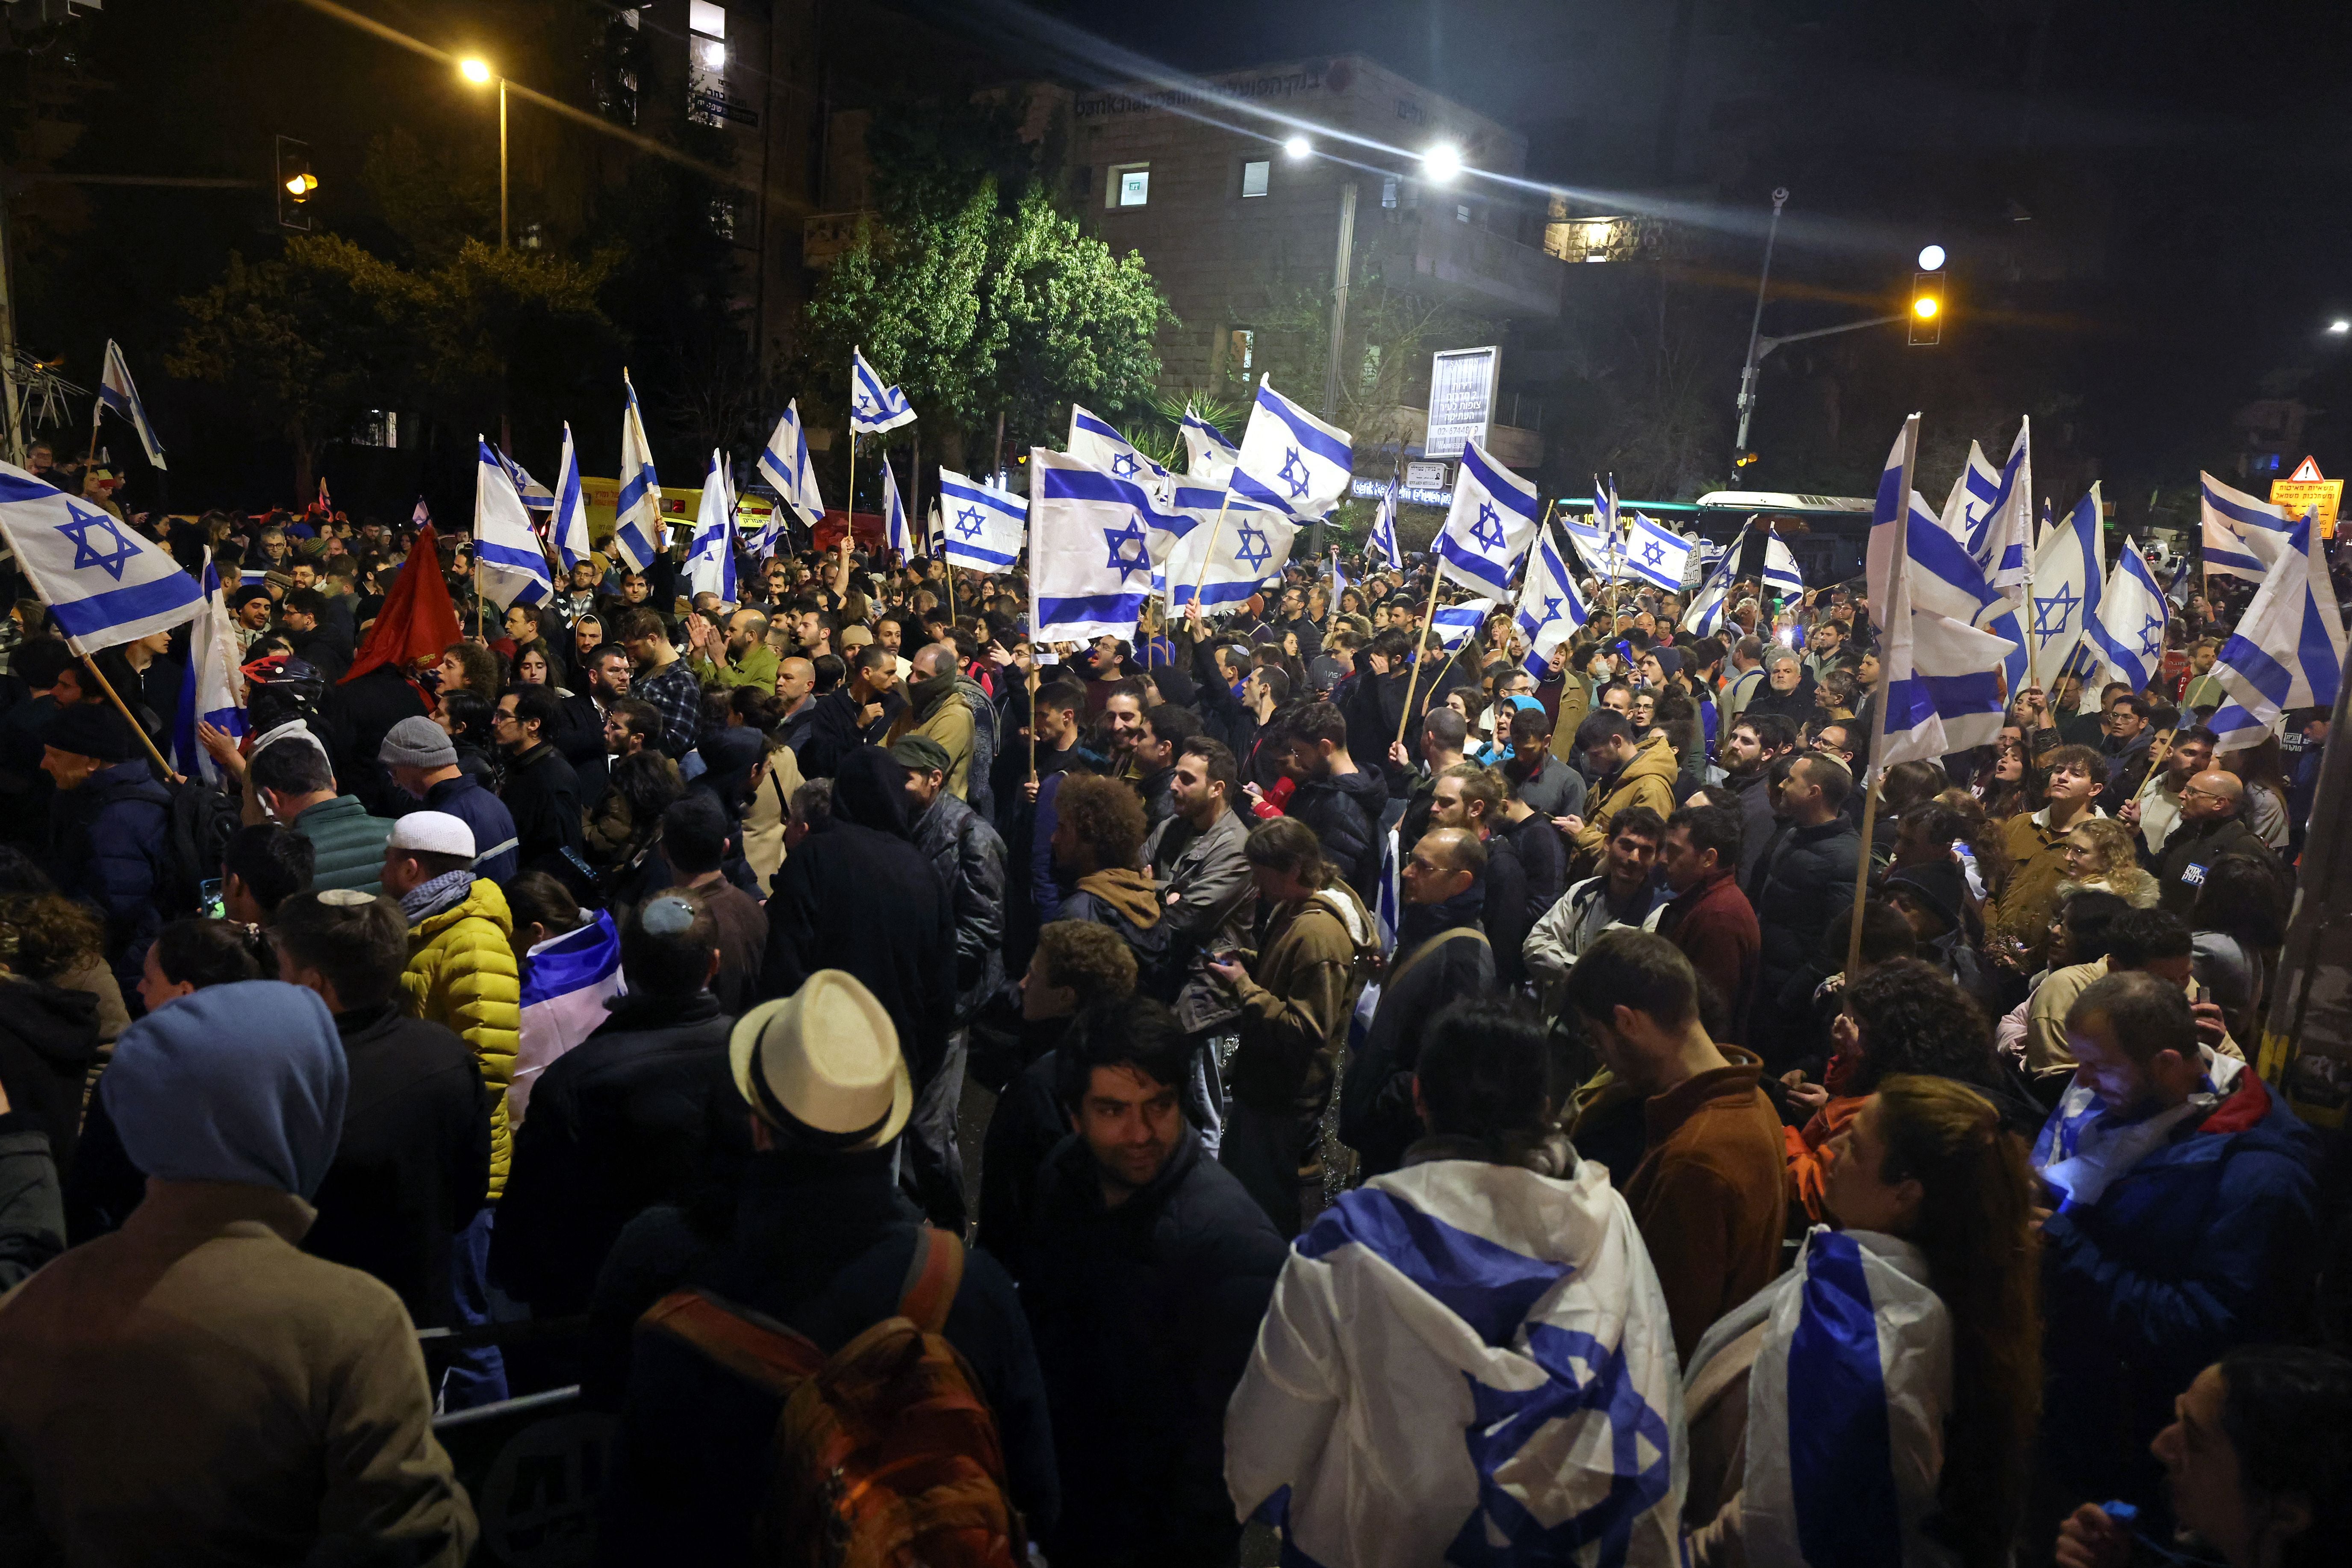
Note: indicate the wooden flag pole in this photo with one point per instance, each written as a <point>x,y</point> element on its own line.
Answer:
<point>1033,713</point>
<point>1213,528</point>
<point>1428,625</point>
<point>136,727</point>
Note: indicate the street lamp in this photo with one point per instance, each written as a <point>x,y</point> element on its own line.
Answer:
<point>1298,147</point>
<point>2338,327</point>
<point>1931,259</point>
<point>476,70</point>
<point>1442,163</point>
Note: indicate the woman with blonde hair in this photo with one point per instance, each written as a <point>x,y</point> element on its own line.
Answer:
<point>1879,1402</point>
<point>2100,854</point>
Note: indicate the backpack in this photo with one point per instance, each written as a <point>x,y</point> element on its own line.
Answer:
<point>885,1454</point>
<point>201,821</point>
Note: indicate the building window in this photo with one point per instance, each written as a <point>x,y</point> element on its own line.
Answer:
<point>722,217</point>
<point>1241,350</point>
<point>1129,185</point>
<point>708,19</point>
<point>1388,191</point>
<point>1255,176</point>
<point>533,238</point>
<point>1462,212</point>
<point>381,428</point>
<point>706,64</point>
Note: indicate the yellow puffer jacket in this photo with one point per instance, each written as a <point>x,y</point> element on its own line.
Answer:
<point>461,974</point>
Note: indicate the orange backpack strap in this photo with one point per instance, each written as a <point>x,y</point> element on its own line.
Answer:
<point>754,1348</point>
<point>933,1275</point>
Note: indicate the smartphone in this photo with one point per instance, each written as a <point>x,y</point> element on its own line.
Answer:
<point>208,900</point>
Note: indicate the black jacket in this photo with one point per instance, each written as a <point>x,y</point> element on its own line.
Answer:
<point>1027,1125</point>
<point>1344,810</point>
<point>542,795</point>
<point>415,1159</point>
<point>1374,706</point>
<point>2192,850</point>
<point>49,1038</point>
<point>1755,820</point>
<point>1376,1115</point>
<point>110,849</point>
<point>834,731</point>
<point>1144,1317</point>
<point>616,1125</point>
<point>864,900</point>
<point>1806,887</point>
<point>1526,871</point>
<point>579,734</point>
<point>821,1245</point>
<point>970,859</point>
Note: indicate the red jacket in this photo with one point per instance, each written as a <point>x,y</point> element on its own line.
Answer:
<point>1715,927</point>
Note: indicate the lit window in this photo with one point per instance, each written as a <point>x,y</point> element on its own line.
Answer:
<point>533,236</point>
<point>1388,191</point>
<point>1129,185</point>
<point>708,19</point>
<point>1255,175</point>
<point>722,217</point>
<point>1241,350</point>
<point>1462,212</point>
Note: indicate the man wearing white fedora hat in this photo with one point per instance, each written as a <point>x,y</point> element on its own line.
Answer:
<point>823,1244</point>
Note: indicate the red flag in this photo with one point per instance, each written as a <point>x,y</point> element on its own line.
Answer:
<point>417,620</point>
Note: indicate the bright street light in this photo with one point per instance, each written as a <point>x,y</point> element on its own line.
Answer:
<point>1298,147</point>
<point>2340,327</point>
<point>476,69</point>
<point>1931,259</point>
<point>1441,162</point>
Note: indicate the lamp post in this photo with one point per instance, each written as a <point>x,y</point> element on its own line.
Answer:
<point>1755,325</point>
<point>476,69</point>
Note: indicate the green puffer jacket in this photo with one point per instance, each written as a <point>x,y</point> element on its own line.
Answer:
<point>461,975</point>
<point>348,842</point>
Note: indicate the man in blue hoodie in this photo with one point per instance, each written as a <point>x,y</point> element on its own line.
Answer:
<point>2184,1224</point>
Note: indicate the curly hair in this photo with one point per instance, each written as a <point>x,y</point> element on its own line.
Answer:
<point>1092,959</point>
<point>2114,842</point>
<point>481,668</point>
<point>42,935</point>
<point>648,784</point>
<point>1107,817</point>
<point>1915,1018</point>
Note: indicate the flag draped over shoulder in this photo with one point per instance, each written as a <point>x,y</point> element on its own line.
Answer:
<point>212,689</point>
<point>416,620</point>
<point>105,582</point>
<point>567,982</point>
<point>2288,649</point>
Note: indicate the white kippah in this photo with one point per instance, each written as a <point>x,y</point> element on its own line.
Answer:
<point>433,833</point>
<point>345,898</point>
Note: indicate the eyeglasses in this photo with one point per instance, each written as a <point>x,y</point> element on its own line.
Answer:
<point>2208,794</point>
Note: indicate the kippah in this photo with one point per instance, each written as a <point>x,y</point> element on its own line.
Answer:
<point>668,917</point>
<point>345,898</point>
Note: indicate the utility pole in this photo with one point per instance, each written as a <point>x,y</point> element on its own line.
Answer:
<point>1341,267</point>
<point>1756,325</point>
<point>12,422</point>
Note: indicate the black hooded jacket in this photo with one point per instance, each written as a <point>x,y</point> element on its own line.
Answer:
<point>1344,810</point>
<point>48,1037</point>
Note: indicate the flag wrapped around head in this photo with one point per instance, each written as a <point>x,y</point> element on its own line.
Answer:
<point>2069,574</point>
<point>1490,525</point>
<point>2243,537</point>
<point>1290,461</point>
<point>1095,440</point>
<point>1224,561</point>
<point>2128,632</point>
<point>514,568</point>
<point>983,526</point>
<point>117,391</point>
<point>1383,536</point>
<point>212,689</point>
<point>785,462</point>
<point>1089,560</point>
<point>897,534</point>
<point>711,558</point>
<point>1210,456</point>
<point>568,527</point>
<point>565,987</point>
<point>1550,610</point>
<point>1658,555</point>
<point>875,406</point>
<point>636,511</point>
<point>106,583</point>
<point>416,621</point>
<point>2288,649</point>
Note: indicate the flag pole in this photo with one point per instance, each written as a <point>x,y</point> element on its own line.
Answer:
<point>1878,715</point>
<point>1033,712</point>
<point>1213,528</point>
<point>136,727</point>
<point>1428,625</point>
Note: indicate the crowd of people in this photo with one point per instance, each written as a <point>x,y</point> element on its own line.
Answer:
<point>1269,1067</point>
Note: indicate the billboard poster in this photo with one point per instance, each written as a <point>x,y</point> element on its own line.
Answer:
<point>1461,400</point>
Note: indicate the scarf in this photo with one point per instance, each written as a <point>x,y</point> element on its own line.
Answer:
<point>1128,892</point>
<point>446,892</point>
<point>2085,1147</point>
<point>925,695</point>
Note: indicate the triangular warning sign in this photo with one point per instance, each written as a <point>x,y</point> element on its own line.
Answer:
<point>2306,472</point>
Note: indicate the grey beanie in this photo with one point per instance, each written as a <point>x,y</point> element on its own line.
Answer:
<point>417,742</point>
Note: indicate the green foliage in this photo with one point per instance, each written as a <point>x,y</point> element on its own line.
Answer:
<point>931,153</point>
<point>1074,321</point>
<point>431,197</point>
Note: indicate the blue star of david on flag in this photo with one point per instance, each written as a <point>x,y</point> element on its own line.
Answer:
<point>1294,473</point>
<point>2052,614</point>
<point>1488,528</point>
<point>1254,549</point>
<point>1124,465</point>
<point>1654,552</point>
<point>1118,541</point>
<point>2151,638</point>
<point>84,523</point>
<point>1550,611</point>
<point>968,522</point>
<point>874,404</point>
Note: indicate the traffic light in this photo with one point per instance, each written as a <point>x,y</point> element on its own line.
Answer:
<point>1743,459</point>
<point>296,183</point>
<point>1927,317</point>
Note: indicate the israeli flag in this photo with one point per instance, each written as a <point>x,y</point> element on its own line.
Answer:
<point>1846,1403</point>
<point>785,462</point>
<point>1457,624</point>
<point>1704,616</point>
<point>1089,560</point>
<point>568,527</point>
<point>1597,550</point>
<point>1226,562</point>
<point>2069,574</point>
<point>1605,520</point>
<point>105,583</point>
<point>2128,632</point>
<point>513,567</point>
<point>710,558</point>
<point>1095,440</point>
<point>1550,610</point>
<point>1657,554</point>
<point>1467,1362</point>
<point>536,497</point>
<point>568,981</point>
<point>2002,537</point>
<point>1490,525</point>
<point>2288,649</point>
<point>1780,573</point>
<point>117,391</point>
<point>1970,502</point>
<point>1388,901</point>
<point>984,526</point>
<point>1209,457</point>
<point>1945,578</point>
<point>1384,536</point>
<point>212,689</point>
<point>873,407</point>
<point>896,531</point>
<point>636,511</point>
<point>1289,459</point>
<point>2243,537</point>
